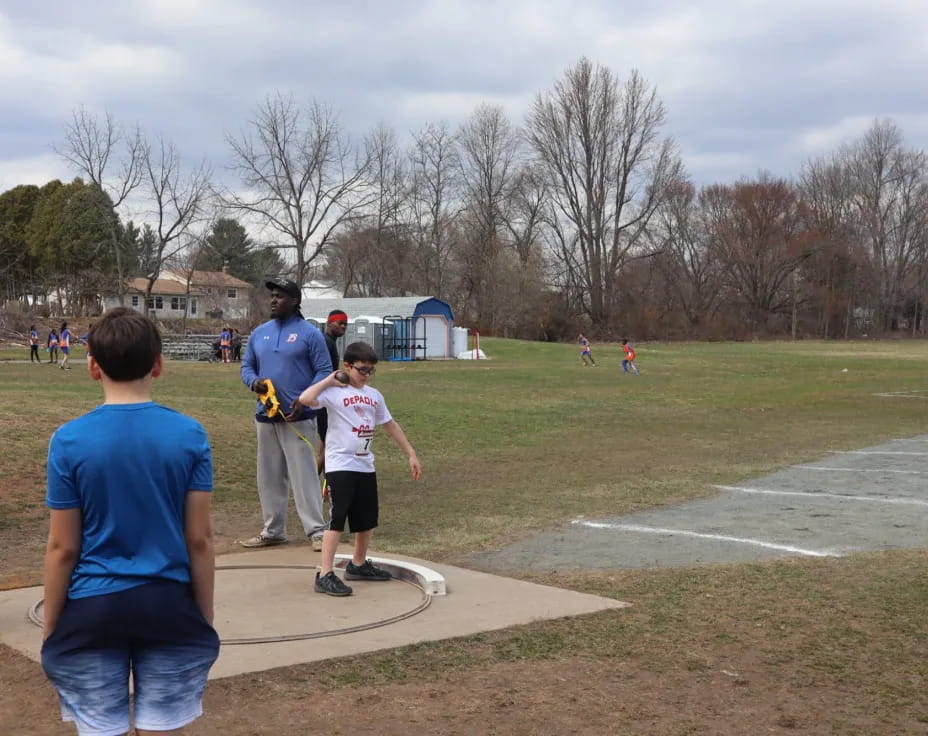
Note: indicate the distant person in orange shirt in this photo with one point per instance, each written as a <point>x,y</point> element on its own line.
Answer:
<point>629,360</point>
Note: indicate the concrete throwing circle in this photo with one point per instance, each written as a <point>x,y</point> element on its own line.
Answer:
<point>253,606</point>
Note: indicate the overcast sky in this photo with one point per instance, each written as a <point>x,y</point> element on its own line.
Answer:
<point>748,84</point>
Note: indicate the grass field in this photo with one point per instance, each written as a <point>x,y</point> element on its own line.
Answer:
<point>530,438</point>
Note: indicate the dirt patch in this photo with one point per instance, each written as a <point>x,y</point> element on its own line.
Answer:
<point>568,696</point>
<point>810,646</point>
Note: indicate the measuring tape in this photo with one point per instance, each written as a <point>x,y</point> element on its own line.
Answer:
<point>272,408</point>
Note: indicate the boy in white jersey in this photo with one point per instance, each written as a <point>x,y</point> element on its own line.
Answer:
<point>354,410</point>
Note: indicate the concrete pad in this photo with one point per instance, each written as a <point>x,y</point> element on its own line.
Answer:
<point>275,601</point>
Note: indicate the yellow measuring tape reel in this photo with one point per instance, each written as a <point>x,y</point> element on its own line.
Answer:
<point>272,409</point>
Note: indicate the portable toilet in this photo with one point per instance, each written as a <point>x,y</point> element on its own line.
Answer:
<point>364,329</point>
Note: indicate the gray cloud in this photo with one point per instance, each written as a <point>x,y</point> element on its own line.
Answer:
<point>747,85</point>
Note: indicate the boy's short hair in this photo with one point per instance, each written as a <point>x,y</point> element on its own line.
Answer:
<point>360,352</point>
<point>125,344</point>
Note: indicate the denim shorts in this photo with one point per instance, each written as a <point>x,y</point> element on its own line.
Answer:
<point>155,631</point>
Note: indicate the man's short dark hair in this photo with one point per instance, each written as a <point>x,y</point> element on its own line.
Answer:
<point>360,352</point>
<point>125,344</point>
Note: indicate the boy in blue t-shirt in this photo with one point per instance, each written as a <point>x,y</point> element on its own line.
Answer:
<point>130,564</point>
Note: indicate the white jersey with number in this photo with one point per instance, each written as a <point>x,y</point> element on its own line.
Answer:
<point>353,415</point>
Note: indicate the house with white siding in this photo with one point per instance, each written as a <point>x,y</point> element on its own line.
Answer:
<point>215,294</point>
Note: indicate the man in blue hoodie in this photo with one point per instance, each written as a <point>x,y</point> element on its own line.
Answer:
<point>292,353</point>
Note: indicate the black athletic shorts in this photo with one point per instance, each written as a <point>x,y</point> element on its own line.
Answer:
<point>354,498</point>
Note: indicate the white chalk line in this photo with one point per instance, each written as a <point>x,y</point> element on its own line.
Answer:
<point>857,470</point>
<point>911,394</point>
<point>700,535</point>
<point>842,496</point>
<point>884,452</point>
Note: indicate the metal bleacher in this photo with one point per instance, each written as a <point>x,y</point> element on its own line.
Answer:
<point>193,347</point>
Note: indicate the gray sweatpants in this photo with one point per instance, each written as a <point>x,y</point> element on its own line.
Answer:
<point>284,461</point>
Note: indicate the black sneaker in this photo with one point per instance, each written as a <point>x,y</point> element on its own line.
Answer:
<point>330,584</point>
<point>366,571</point>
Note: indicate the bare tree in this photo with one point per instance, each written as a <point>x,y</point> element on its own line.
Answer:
<point>178,201</point>
<point>301,177</point>
<point>367,263</point>
<point>608,170</point>
<point>890,193</point>
<point>185,263</point>
<point>757,230</point>
<point>525,215</point>
<point>111,158</point>
<point>388,177</point>
<point>389,259</point>
<point>489,146</point>
<point>826,190</point>
<point>435,177</point>
<point>680,241</point>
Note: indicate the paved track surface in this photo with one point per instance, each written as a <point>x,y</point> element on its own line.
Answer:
<point>870,499</point>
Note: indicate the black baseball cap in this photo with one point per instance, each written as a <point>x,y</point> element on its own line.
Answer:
<point>288,287</point>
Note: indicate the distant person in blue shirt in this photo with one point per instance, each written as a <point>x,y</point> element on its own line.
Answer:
<point>64,340</point>
<point>292,354</point>
<point>225,344</point>
<point>34,345</point>
<point>52,346</point>
<point>129,565</point>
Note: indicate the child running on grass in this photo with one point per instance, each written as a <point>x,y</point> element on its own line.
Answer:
<point>629,360</point>
<point>354,410</point>
<point>129,565</point>
<point>586,351</point>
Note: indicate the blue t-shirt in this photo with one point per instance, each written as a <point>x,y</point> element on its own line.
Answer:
<point>128,468</point>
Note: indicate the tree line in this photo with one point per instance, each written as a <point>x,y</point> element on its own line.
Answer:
<point>581,215</point>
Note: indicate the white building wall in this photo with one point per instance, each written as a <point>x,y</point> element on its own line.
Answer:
<point>433,334</point>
